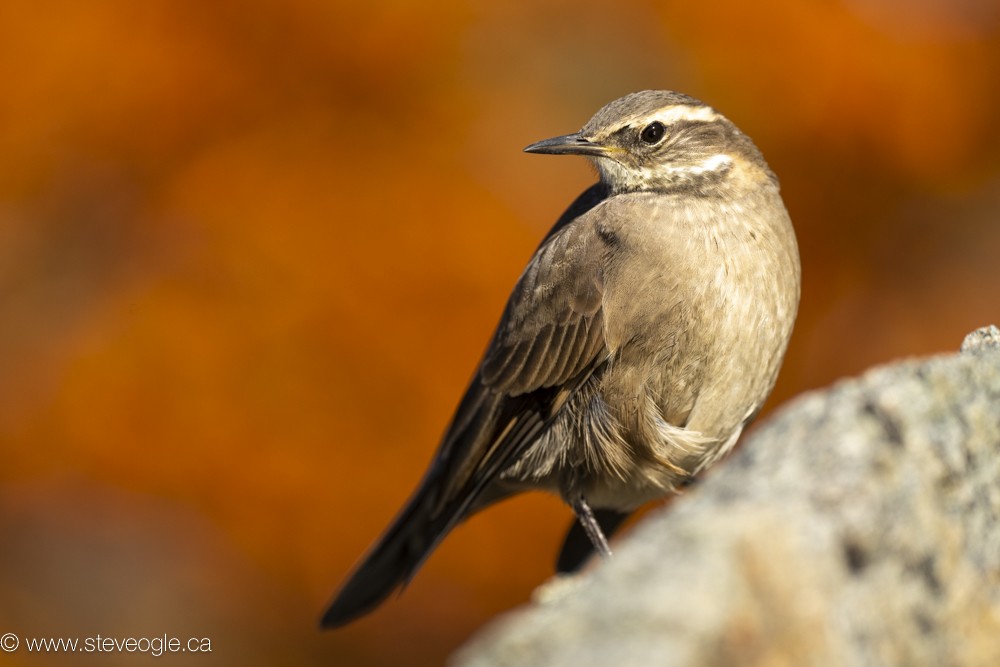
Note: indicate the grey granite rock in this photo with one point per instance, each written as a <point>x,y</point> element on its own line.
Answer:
<point>860,526</point>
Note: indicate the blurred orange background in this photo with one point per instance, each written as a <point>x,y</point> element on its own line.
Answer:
<point>250,253</point>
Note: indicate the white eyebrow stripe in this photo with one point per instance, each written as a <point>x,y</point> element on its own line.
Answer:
<point>667,115</point>
<point>680,112</point>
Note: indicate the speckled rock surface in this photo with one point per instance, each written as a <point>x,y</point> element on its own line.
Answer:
<point>860,526</point>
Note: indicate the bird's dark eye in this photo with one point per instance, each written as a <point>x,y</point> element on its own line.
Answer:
<point>653,132</point>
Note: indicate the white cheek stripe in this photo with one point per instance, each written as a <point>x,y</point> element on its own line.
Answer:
<point>613,172</point>
<point>714,163</point>
<point>717,162</point>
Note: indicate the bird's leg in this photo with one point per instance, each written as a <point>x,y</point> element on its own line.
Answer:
<point>591,527</point>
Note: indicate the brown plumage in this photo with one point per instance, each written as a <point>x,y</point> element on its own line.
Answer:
<point>645,332</point>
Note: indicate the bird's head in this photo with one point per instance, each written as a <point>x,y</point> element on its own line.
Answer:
<point>658,140</point>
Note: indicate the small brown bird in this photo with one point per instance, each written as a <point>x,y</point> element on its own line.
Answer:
<point>646,331</point>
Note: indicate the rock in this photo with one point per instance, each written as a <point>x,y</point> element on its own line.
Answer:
<point>859,526</point>
<point>985,339</point>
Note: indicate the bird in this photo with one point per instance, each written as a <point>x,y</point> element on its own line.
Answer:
<point>644,334</point>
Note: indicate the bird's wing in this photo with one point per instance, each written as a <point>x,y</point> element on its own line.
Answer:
<point>553,326</point>
<point>549,342</point>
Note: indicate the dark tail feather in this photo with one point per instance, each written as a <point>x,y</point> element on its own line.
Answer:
<point>422,524</point>
<point>428,517</point>
<point>393,561</point>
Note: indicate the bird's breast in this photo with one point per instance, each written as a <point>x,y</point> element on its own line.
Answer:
<point>699,304</point>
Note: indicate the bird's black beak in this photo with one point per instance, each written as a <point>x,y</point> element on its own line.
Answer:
<point>568,144</point>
